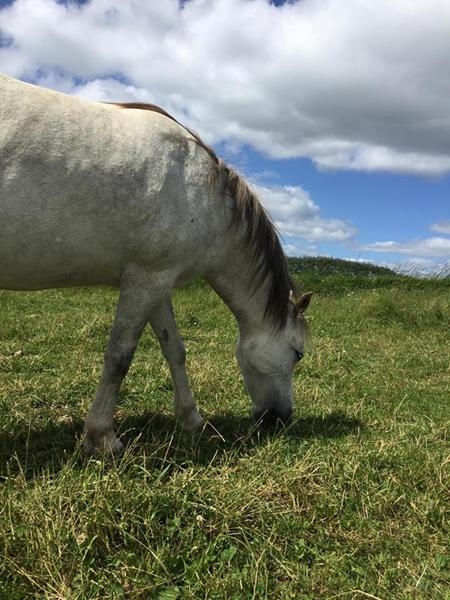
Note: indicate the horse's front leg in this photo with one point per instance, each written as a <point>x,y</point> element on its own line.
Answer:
<point>130,319</point>
<point>163,323</point>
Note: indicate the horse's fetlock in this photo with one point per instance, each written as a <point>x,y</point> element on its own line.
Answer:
<point>96,427</point>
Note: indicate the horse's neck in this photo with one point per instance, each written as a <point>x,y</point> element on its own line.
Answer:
<point>235,283</point>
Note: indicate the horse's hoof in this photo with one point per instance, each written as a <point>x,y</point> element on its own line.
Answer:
<point>106,444</point>
<point>192,422</point>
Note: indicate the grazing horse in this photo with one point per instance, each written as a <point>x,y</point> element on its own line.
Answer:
<point>123,195</point>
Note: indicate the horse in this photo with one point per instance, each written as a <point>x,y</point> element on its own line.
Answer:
<point>123,195</point>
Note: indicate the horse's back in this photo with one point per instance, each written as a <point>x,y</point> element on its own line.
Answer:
<point>86,188</point>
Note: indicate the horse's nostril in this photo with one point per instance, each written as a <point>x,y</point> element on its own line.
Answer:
<point>271,417</point>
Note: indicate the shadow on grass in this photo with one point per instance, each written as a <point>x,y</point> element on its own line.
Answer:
<point>48,449</point>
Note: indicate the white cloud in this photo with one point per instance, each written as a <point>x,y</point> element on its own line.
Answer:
<point>354,84</point>
<point>428,247</point>
<point>299,249</point>
<point>295,214</point>
<point>442,227</point>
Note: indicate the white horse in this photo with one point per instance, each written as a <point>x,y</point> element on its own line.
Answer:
<point>125,196</point>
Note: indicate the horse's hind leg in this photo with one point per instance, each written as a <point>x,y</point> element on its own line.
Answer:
<point>131,317</point>
<point>163,323</point>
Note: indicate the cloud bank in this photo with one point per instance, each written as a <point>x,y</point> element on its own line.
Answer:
<point>295,214</point>
<point>432,247</point>
<point>442,227</point>
<point>354,84</point>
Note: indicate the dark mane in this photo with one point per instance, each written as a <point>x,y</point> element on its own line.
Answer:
<point>268,258</point>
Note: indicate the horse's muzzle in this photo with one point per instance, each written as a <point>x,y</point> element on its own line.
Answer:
<point>272,417</point>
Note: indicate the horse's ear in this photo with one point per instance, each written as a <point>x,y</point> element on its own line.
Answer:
<point>303,303</point>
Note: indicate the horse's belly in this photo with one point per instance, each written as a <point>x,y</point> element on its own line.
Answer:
<point>58,249</point>
<point>25,270</point>
<point>40,251</point>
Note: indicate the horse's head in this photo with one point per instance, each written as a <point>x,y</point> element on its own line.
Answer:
<point>267,358</point>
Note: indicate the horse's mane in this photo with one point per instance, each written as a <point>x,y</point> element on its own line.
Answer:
<point>268,258</point>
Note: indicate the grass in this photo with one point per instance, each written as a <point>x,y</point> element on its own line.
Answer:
<point>351,501</point>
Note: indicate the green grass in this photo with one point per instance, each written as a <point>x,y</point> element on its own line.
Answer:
<point>351,501</point>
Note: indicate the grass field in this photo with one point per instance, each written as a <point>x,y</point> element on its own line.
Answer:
<point>351,501</point>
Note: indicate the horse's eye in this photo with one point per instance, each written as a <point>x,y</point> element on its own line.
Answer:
<point>298,354</point>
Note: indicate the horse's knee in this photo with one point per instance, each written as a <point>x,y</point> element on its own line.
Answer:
<point>180,353</point>
<point>174,350</point>
<point>117,363</point>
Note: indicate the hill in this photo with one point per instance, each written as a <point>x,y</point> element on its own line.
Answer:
<point>323,265</point>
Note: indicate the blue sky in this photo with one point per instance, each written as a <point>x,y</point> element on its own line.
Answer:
<point>381,206</point>
<point>328,108</point>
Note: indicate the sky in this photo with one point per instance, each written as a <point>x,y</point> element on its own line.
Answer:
<point>336,111</point>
